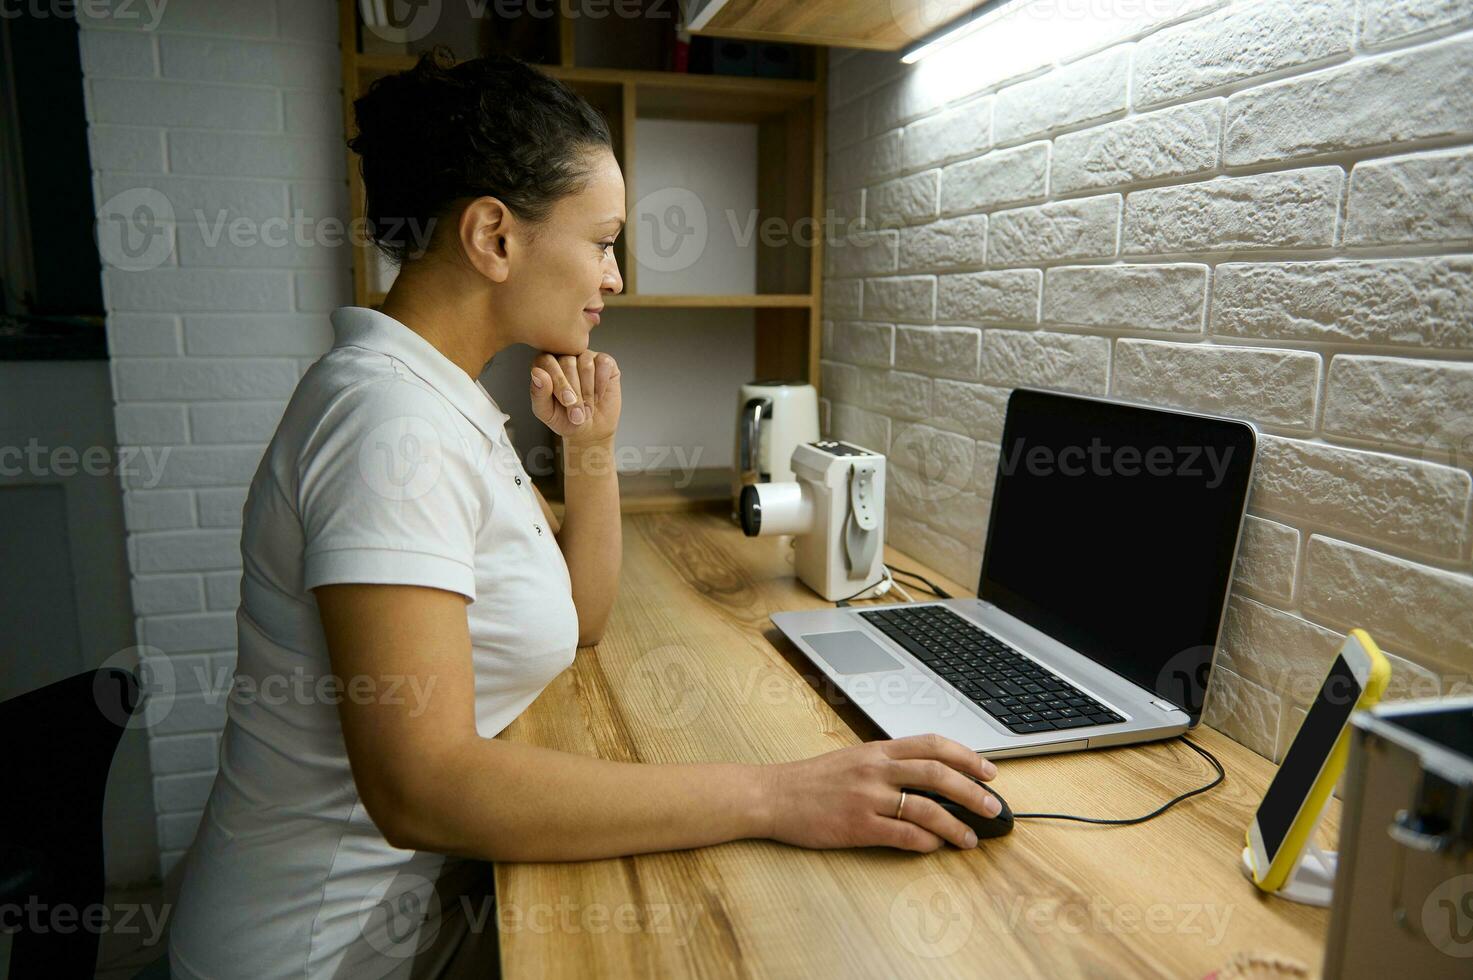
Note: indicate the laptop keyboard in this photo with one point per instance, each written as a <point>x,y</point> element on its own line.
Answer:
<point>1014,689</point>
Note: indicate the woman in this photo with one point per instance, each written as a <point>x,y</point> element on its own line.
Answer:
<point>407,592</point>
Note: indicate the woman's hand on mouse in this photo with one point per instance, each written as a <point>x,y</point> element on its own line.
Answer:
<point>848,797</point>
<point>577,397</point>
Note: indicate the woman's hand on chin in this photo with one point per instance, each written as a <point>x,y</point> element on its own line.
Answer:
<point>577,396</point>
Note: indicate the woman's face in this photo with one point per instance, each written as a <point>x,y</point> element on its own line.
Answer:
<point>568,267</point>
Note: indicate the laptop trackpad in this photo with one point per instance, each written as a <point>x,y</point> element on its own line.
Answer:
<point>851,652</point>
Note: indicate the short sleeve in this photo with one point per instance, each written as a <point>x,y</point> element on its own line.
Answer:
<point>387,492</point>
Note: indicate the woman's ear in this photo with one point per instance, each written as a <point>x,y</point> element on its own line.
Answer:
<point>487,228</point>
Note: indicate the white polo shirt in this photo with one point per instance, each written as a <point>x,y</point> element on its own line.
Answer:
<point>390,465</point>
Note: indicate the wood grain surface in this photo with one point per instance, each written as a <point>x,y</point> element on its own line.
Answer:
<point>690,669</point>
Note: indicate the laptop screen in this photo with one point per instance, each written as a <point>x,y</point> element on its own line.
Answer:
<point>1113,530</point>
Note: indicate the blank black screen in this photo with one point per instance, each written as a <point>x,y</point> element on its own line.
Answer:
<point>1113,530</point>
<point>1302,763</point>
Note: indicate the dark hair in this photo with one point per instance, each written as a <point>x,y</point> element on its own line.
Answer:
<point>441,132</point>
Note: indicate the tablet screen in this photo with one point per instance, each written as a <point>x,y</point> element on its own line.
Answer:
<point>1302,763</point>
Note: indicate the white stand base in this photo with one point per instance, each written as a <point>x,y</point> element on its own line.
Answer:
<point>1312,882</point>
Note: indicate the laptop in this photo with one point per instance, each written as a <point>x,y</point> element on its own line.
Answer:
<point>1111,539</point>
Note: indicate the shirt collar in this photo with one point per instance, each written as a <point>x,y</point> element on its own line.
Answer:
<point>358,326</point>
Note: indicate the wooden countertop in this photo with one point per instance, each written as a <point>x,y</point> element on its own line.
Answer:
<point>690,669</point>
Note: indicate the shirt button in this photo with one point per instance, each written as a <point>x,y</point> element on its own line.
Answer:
<point>538,527</point>
<point>518,479</point>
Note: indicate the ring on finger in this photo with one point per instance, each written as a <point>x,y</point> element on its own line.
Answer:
<point>901,808</point>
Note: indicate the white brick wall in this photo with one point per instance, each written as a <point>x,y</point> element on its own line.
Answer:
<point>1262,209</point>
<point>227,110</point>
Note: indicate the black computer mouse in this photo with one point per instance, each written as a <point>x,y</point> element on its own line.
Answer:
<point>983,827</point>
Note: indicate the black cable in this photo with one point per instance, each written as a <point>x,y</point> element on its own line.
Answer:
<point>845,601</point>
<point>935,589</point>
<point>1154,813</point>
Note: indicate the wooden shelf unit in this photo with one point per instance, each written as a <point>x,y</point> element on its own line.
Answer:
<point>790,119</point>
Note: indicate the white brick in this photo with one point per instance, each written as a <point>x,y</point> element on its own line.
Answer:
<point>951,243</point>
<point>1417,301</point>
<point>172,794</point>
<point>938,351</point>
<point>152,103</point>
<point>959,512</point>
<point>220,507</point>
<point>201,290</point>
<point>902,201</point>
<point>861,253</point>
<point>157,510</point>
<point>113,54</point>
<point>1412,95</point>
<point>871,344</point>
<point>125,149</point>
<point>1404,502</point>
<point>865,163</point>
<point>974,410</point>
<point>218,423</point>
<point>273,335</point>
<point>1270,386</point>
<point>1423,405</point>
<point>845,125</point>
<point>1015,176</point>
<point>896,104</point>
<point>325,198</point>
<point>1171,297</point>
<point>1411,199</point>
<point>207,200</point>
<point>937,462</point>
<point>155,595</point>
<point>840,381</point>
<point>1079,93</point>
<point>200,378</point>
<point>1242,710</point>
<point>841,297</point>
<point>1046,360</point>
<point>130,335</point>
<point>240,18</point>
<point>311,111</point>
<point>1268,556</point>
<point>199,466</point>
<point>186,551</point>
<point>1004,297</point>
<point>177,830</point>
<point>963,131</point>
<point>955,559</point>
<point>1293,209</point>
<point>900,298</point>
<point>322,292</point>
<point>275,244</point>
<point>897,393</point>
<point>1086,228</point>
<point>1240,43</point>
<point>1389,21</point>
<point>1426,609</point>
<point>190,634</point>
<point>183,753</point>
<point>150,425</point>
<point>1176,142</point>
<point>252,155</point>
<point>1283,652</point>
<point>306,21</point>
<point>855,425</point>
<point>234,60</point>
